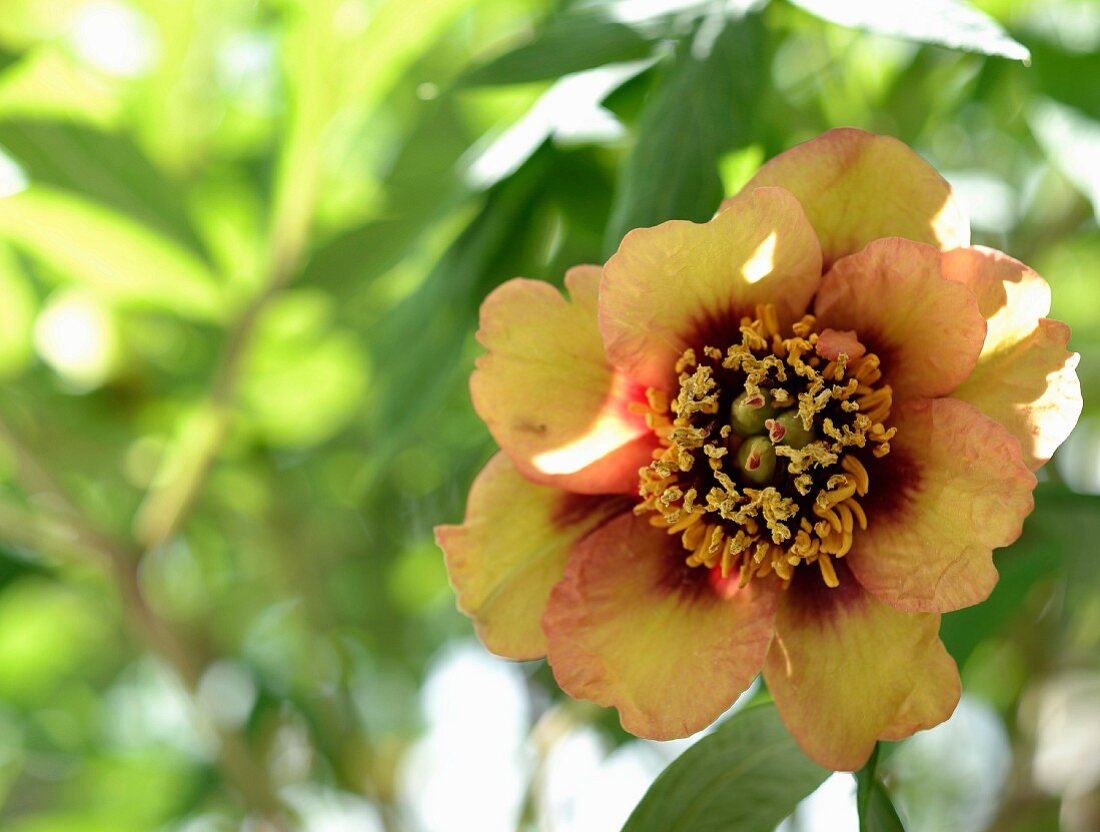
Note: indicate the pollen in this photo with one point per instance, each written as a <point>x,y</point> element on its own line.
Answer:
<point>764,449</point>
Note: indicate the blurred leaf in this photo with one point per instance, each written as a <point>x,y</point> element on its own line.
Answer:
<point>747,776</point>
<point>566,44</point>
<point>303,378</point>
<point>105,167</point>
<point>703,107</point>
<point>1034,557</point>
<point>1072,142</point>
<point>1069,77</point>
<point>17,314</point>
<point>876,810</point>
<point>421,184</point>
<point>8,57</point>
<point>48,83</point>
<point>950,23</point>
<point>420,341</point>
<point>48,634</point>
<point>26,22</point>
<point>110,254</point>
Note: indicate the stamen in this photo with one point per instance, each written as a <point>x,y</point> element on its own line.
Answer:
<point>716,480</point>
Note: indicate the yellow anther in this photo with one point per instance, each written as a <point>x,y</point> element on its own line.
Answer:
<point>827,571</point>
<point>734,509</point>
<point>854,467</point>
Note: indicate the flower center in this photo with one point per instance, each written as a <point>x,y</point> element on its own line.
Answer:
<point>760,460</point>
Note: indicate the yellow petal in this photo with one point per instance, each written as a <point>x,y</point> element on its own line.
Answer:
<point>846,670</point>
<point>1025,378</point>
<point>632,627</point>
<point>511,549</point>
<point>953,488</point>
<point>681,283</point>
<point>927,330</point>
<point>857,187</point>
<point>548,394</point>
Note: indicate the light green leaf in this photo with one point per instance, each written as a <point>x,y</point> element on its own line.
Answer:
<point>571,43</point>
<point>105,167</point>
<point>116,257</point>
<point>746,776</point>
<point>703,108</point>
<point>304,378</point>
<point>950,23</point>
<point>1071,141</point>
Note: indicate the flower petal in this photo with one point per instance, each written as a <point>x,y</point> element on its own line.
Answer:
<point>512,548</point>
<point>953,488</point>
<point>846,670</point>
<point>857,187</point>
<point>548,394</point>
<point>632,626</point>
<point>928,331</point>
<point>680,283</point>
<point>1025,378</point>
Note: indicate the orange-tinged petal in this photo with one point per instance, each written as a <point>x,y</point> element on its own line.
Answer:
<point>1025,378</point>
<point>548,394</point>
<point>927,330</point>
<point>512,548</point>
<point>682,283</point>
<point>632,626</point>
<point>857,187</point>
<point>846,670</point>
<point>953,488</point>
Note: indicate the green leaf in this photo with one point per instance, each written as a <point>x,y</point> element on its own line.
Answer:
<point>8,57</point>
<point>1033,558</point>
<point>950,23</point>
<point>876,810</point>
<point>879,815</point>
<point>571,43</point>
<point>107,168</point>
<point>119,259</point>
<point>703,107</point>
<point>746,776</point>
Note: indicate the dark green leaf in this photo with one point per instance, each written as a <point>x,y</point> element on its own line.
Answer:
<point>1069,77</point>
<point>571,43</point>
<point>702,107</point>
<point>7,58</point>
<point>105,167</point>
<point>950,23</point>
<point>746,776</point>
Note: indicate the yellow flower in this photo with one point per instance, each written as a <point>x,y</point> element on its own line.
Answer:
<point>785,439</point>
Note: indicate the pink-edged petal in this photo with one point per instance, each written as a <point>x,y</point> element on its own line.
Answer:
<point>927,330</point>
<point>631,626</point>
<point>1025,378</point>
<point>857,187</point>
<point>846,670</point>
<point>953,488</point>
<point>548,394</point>
<point>512,548</point>
<point>681,283</point>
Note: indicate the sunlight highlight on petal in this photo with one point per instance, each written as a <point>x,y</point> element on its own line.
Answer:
<point>760,263</point>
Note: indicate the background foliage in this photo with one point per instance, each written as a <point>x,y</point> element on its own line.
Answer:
<point>242,248</point>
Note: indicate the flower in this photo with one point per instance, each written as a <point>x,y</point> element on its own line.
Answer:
<point>785,439</point>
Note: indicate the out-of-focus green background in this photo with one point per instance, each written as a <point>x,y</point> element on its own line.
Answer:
<point>242,248</point>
